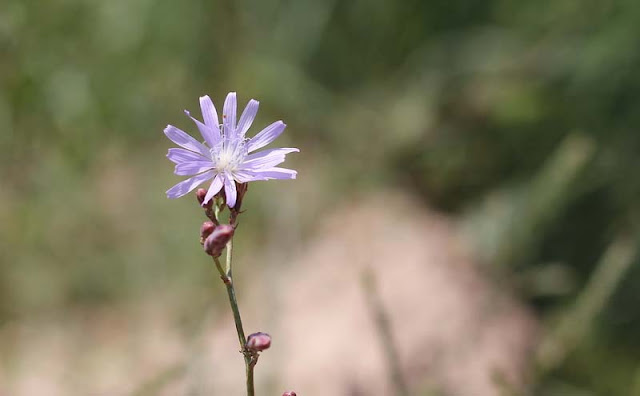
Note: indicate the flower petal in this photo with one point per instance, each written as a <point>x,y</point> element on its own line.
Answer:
<point>230,190</point>
<point>210,135</point>
<point>192,168</point>
<point>209,113</point>
<point>266,136</point>
<point>180,155</point>
<point>249,176</point>
<point>276,173</point>
<point>266,158</point>
<point>181,138</point>
<point>229,115</point>
<point>185,187</point>
<point>214,188</point>
<point>245,176</point>
<point>247,117</point>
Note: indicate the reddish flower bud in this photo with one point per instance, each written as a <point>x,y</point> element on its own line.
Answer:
<point>206,229</point>
<point>217,240</point>
<point>289,393</point>
<point>201,194</point>
<point>258,342</point>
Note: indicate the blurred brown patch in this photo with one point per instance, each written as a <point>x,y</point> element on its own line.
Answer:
<point>455,330</point>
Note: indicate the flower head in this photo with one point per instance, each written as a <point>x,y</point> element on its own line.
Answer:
<point>226,156</point>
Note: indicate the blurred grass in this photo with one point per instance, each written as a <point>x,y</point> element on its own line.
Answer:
<point>454,101</point>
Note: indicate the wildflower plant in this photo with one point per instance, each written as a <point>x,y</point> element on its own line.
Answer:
<point>226,156</point>
<point>230,161</point>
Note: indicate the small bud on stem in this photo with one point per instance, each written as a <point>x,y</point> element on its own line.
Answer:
<point>201,193</point>
<point>217,240</point>
<point>258,342</point>
<point>205,230</point>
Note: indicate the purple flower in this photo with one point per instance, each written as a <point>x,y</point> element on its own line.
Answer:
<point>226,156</point>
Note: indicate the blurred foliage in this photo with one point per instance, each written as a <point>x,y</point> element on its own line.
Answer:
<point>455,100</point>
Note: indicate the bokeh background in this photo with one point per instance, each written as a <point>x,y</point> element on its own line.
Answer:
<point>514,121</point>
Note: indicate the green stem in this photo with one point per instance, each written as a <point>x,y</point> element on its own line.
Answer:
<point>383,327</point>
<point>229,253</point>
<point>249,370</point>
<point>228,282</point>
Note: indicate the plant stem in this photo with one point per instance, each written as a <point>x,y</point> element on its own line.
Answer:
<point>229,253</point>
<point>249,370</point>
<point>578,321</point>
<point>228,281</point>
<point>383,327</point>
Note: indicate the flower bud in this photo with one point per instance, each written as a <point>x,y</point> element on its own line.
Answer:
<point>205,230</point>
<point>217,239</point>
<point>258,342</point>
<point>201,194</point>
<point>289,393</point>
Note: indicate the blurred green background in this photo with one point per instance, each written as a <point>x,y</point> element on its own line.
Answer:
<point>516,118</point>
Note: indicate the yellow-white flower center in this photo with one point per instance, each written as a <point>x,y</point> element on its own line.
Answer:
<point>224,160</point>
<point>228,155</point>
